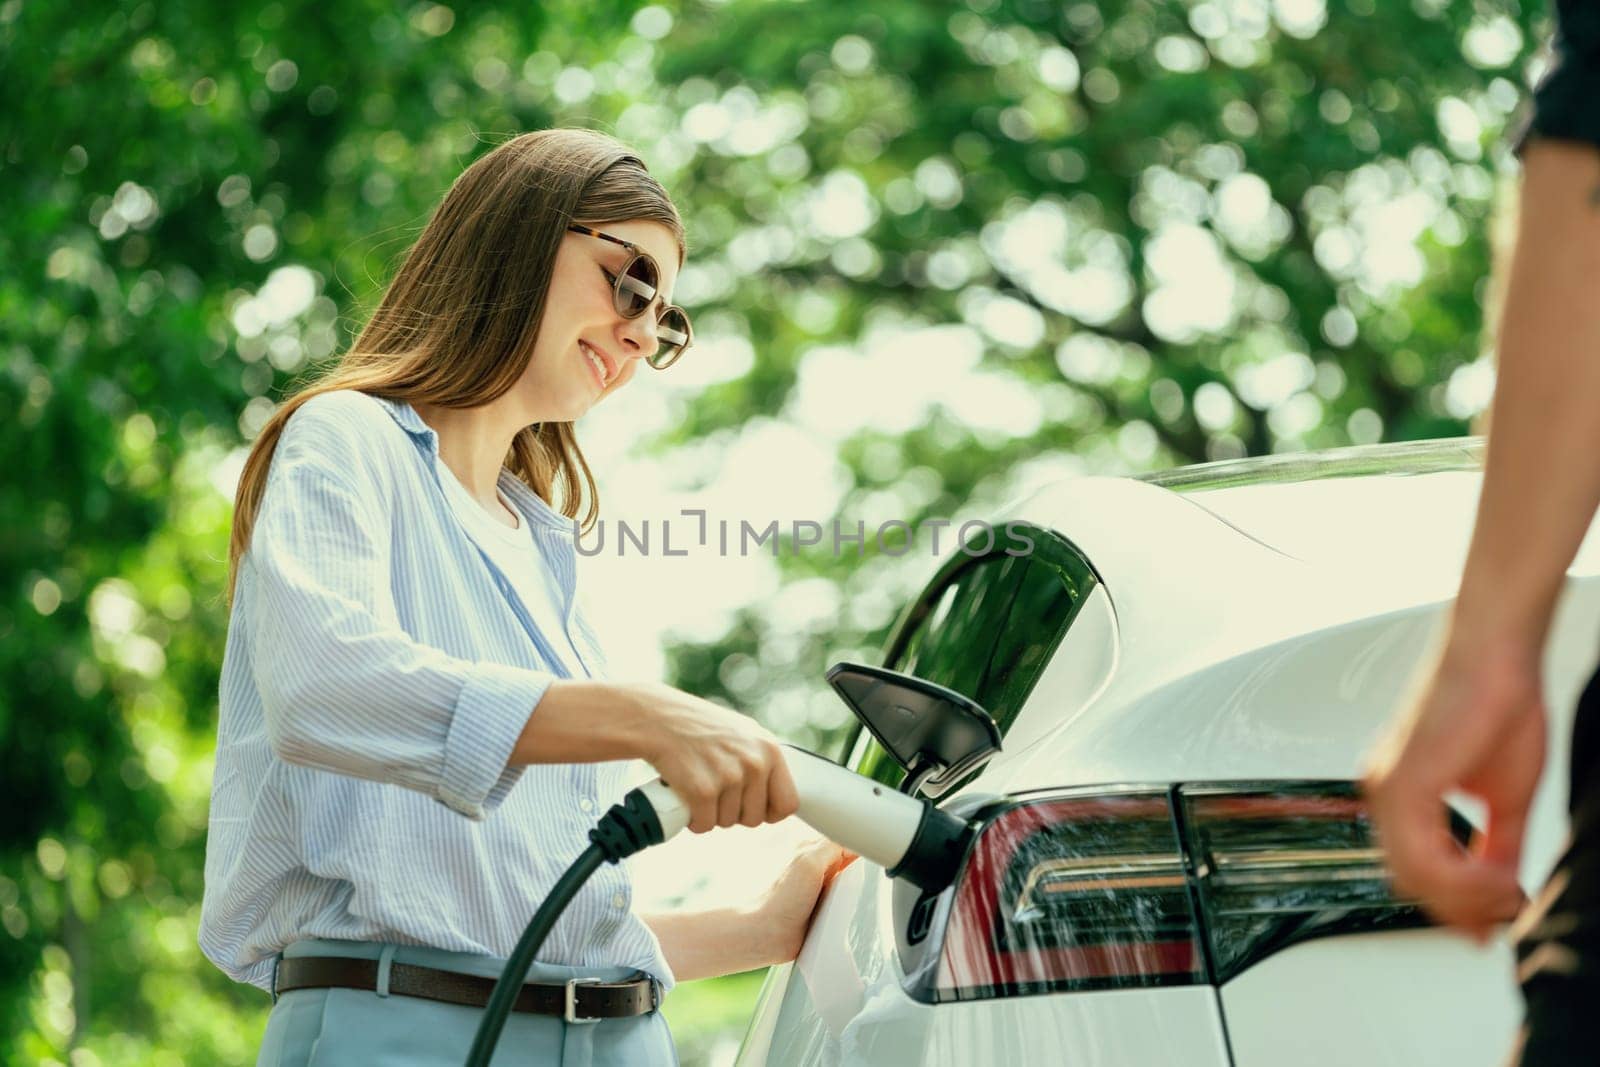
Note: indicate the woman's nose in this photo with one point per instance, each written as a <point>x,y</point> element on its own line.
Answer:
<point>639,337</point>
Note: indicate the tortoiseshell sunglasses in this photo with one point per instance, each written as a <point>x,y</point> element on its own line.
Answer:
<point>633,290</point>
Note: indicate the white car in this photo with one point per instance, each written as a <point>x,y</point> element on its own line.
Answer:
<point>1174,866</point>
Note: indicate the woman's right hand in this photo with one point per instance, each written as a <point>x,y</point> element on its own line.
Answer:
<point>726,767</point>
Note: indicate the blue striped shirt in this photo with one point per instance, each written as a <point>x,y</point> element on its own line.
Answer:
<point>379,669</point>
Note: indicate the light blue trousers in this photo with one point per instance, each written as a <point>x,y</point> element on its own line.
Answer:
<point>363,1028</point>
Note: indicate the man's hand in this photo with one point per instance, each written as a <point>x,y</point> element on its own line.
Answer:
<point>1475,724</point>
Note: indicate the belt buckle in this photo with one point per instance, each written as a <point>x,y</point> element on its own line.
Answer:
<point>570,1013</point>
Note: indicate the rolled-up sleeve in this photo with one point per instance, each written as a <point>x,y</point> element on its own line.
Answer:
<point>343,687</point>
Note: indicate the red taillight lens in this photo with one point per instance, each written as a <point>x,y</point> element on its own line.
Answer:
<point>1149,888</point>
<point>1072,893</point>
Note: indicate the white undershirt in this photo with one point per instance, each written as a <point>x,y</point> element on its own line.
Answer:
<point>514,552</point>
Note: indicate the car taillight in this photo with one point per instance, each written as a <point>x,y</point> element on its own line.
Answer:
<point>1277,865</point>
<point>1076,892</point>
<point>1134,888</point>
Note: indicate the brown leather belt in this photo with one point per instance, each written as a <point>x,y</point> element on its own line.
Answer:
<point>578,1000</point>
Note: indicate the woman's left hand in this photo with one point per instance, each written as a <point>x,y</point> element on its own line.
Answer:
<point>785,913</point>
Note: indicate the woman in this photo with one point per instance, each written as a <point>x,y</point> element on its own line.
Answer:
<point>416,733</point>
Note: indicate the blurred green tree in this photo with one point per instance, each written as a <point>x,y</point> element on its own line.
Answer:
<point>1163,231</point>
<point>1189,230</point>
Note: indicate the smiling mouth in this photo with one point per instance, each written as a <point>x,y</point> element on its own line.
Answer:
<point>596,363</point>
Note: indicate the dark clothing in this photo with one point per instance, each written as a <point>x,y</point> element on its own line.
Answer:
<point>1566,105</point>
<point>1558,947</point>
<point>1567,911</point>
<point>1558,943</point>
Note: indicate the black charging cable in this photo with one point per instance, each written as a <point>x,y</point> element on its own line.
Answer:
<point>627,828</point>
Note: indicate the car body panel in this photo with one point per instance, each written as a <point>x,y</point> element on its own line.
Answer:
<point>1401,999</point>
<point>1263,666</point>
<point>841,1002</point>
<point>1260,625</point>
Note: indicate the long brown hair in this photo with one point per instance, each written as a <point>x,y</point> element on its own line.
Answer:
<point>456,326</point>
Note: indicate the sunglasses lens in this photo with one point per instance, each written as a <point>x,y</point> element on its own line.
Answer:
<point>637,286</point>
<point>672,337</point>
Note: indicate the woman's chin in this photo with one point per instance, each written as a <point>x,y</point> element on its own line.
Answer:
<point>577,405</point>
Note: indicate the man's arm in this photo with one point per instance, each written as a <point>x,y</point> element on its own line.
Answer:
<point>1476,721</point>
<point>1542,478</point>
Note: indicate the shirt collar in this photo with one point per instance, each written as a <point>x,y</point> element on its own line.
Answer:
<point>529,502</point>
<point>412,423</point>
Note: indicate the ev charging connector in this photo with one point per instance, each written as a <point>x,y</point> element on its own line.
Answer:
<point>907,836</point>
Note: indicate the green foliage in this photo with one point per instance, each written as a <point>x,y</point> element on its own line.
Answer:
<point>708,1017</point>
<point>1184,230</point>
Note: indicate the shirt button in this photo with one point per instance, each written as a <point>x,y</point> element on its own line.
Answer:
<point>619,901</point>
<point>586,804</point>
